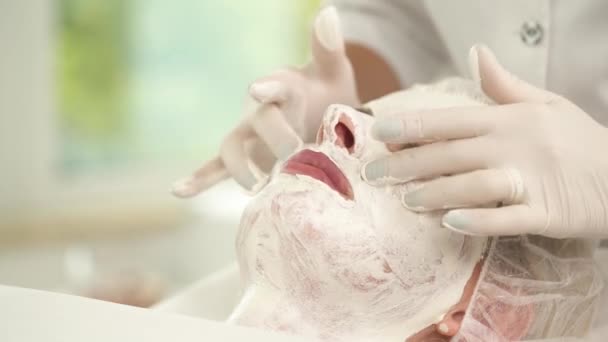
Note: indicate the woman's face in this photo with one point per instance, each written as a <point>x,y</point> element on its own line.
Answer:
<point>338,258</point>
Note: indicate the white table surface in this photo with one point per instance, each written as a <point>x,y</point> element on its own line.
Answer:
<point>31,316</point>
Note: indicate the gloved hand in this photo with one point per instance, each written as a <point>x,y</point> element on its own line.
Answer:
<point>284,110</point>
<point>536,155</point>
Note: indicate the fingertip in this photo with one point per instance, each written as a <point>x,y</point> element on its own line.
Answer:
<point>474,63</point>
<point>413,201</point>
<point>267,91</point>
<point>484,50</point>
<point>500,84</point>
<point>387,130</point>
<point>375,172</point>
<point>257,186</point>
<point>183,188</point>
<point>488,64</point>
<point>327,29</point>
<point>285,151</point>
<point>247,180</point>
<point>459,222</point>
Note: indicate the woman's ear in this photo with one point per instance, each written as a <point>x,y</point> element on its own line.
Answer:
<point>452,320</point>
<point>508,321</point>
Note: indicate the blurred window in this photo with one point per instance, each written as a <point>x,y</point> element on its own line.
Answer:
<point>109,101</point>
<point>157,82</point>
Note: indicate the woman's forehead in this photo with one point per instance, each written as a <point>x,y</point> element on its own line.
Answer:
<point>448,93</point>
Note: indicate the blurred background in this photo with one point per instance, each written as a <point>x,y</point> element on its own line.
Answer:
<point>103,104</point>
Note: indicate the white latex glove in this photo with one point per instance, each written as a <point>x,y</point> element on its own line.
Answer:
<point>535,154</point>
<point>284,110</point>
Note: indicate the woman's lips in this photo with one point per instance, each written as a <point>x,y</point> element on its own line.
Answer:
<point>318,166</point>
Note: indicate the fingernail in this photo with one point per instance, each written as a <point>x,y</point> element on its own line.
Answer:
<point>265,91</point>
<point>387,129</point>
<point>375,170</point>
<point>456,221</point>
<point>474,63</point>
<point>182,187</point>
<point>285,151</point>
<point>411,200</point>
<point>258,185</point>
<point>443,328</point>
<point>247,180</point>
<point>327,28</point>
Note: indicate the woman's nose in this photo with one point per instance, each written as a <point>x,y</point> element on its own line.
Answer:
<point>342,127</point>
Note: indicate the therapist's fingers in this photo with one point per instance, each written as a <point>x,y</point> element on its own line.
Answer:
<point>235,158</point>
<point>260,155</point>
<point>271,89</point>
<point>472,189</point>
<point>501,85</point>
<point>426,161</point>
<point>436,124</point>
<point>328,51</point>
<point>510,220</point>
<point>270,125</point>
<point>279,87</point>
<point>211,173</point>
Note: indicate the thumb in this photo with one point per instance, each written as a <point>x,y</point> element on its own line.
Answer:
<point>328,42</point>
<point>499,84</point>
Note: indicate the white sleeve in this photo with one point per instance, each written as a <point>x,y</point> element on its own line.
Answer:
<point>401,31</point>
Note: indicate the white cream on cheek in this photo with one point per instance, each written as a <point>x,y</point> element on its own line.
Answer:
<point>322,266</point>
<point>332,270</point>
<point>319,265</point>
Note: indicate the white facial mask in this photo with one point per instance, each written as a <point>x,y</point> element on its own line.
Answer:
<point>320,265</point>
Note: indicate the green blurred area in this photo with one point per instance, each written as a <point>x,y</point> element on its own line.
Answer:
<point>93,66</point>
<point>92,76</point>
<point>150,81</point>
